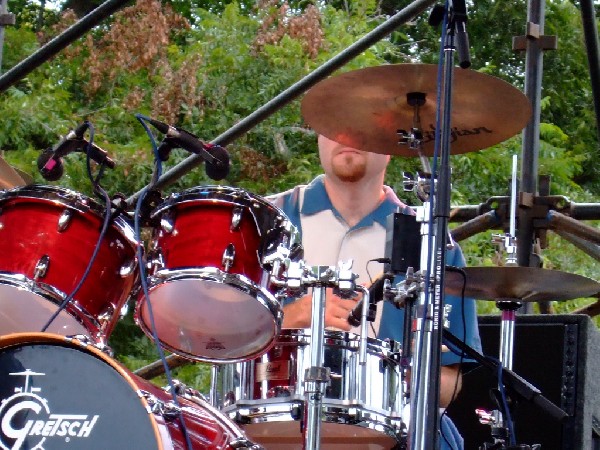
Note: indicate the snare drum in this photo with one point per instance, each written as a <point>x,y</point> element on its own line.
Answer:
<point>209,288</point>
<point>266,395</point>
<point>59,393</point>
<point>47,237</point>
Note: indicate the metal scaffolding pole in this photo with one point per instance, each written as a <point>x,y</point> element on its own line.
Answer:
<point>5,19</point>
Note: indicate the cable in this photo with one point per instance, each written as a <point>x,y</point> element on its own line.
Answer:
<point>509,422</point>
<point>143,280</point>
<point>98,189</point>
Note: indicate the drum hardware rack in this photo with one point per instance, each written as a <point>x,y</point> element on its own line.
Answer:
<point>342,280</point>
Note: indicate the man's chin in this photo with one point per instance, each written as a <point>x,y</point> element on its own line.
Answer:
<point>349,174</point>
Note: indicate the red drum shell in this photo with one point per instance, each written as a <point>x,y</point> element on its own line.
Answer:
<point>29,230</point>
<point>202,234</point>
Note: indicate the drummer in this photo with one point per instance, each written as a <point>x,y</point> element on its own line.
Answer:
<point>342,215</point>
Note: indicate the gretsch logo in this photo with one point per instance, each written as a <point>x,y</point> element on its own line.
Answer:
<point>16,423</point>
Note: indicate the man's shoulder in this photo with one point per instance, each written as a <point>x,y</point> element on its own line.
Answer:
<point>281,198</point>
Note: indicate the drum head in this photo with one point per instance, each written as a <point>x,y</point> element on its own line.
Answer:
<point>22,310</point>
<point>56,395</point>
<point>207,319</point>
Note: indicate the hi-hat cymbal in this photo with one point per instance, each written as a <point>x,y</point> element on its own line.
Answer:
<point>365,108</point>
<point>525,284</point>
<point>9,177</point>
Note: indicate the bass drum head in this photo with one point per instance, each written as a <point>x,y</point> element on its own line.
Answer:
<point>56,395</point>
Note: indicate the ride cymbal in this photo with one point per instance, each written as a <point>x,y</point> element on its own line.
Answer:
<point>525,284</point>
<point>365,108</point>
<point>9,177</point>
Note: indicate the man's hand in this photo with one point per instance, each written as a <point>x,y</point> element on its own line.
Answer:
<point>298,314</point>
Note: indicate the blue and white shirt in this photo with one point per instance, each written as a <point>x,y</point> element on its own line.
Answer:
<point>327,240</point>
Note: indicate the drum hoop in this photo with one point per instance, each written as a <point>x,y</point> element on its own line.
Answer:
<point>261,411</point>
<point>344,339</point>
<point>72,200</point>
<point>232,196</point>
<point>14,339</point>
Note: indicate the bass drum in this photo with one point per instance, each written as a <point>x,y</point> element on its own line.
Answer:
<point>362,405</point>
<point>59,393</point>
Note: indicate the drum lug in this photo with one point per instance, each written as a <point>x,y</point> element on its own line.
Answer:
<point>155,260</point>
<point>168,410</point>
<point>167,222</point>
<point>236,218</point>
<point>124,310</point>
<point>41,267</point>
<point>127,268</point>
<point>64,220</point>
<point>228,257</point>
<point>104,319</point>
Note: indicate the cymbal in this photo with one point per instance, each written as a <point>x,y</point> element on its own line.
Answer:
<point>365,108</point>
<point>9,177</point>
<point>524,284</point>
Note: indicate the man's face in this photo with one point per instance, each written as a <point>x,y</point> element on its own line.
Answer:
<point>349,164</point>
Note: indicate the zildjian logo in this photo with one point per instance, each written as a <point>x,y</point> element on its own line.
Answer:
<point>15,426</point>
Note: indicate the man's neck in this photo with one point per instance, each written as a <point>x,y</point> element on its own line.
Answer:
<point>356,200</point>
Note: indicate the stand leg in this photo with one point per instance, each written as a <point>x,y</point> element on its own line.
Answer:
<point>317,375</point>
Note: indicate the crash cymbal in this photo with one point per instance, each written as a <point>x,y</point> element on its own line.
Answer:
<point>365,108</point>
<point>9,177</point>
<point>525,284</point>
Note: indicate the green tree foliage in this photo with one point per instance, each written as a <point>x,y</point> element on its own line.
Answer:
<point>206,65</point>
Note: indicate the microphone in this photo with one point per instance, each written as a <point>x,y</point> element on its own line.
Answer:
<point>51,169</point>
<point>220,169</point>
<point>216,157</point>
<point>50,162</point>
<point>375,295</point>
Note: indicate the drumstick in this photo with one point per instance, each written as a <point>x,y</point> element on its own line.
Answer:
<point>375,295</point>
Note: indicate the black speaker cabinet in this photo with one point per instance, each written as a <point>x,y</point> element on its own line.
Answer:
<point>560,355</point>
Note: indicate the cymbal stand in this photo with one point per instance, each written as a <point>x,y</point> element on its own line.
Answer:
<point>342,280</point>
<point>502,426</point>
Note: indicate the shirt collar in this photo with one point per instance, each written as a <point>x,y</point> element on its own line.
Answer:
<point>317,200</point>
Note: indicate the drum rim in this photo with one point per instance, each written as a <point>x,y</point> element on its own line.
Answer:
<point>271,411</point>
<point>71,199</point>
<point>228,195</point>
<point>211,274</point>
<point>16,339</point>
<point>387,347</point>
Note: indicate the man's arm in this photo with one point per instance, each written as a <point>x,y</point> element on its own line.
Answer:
<point>298,314</point>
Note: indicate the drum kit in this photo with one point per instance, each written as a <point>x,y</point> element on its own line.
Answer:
<point>219,265</point>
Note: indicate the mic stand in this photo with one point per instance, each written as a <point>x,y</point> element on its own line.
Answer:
<point>425,382</point>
